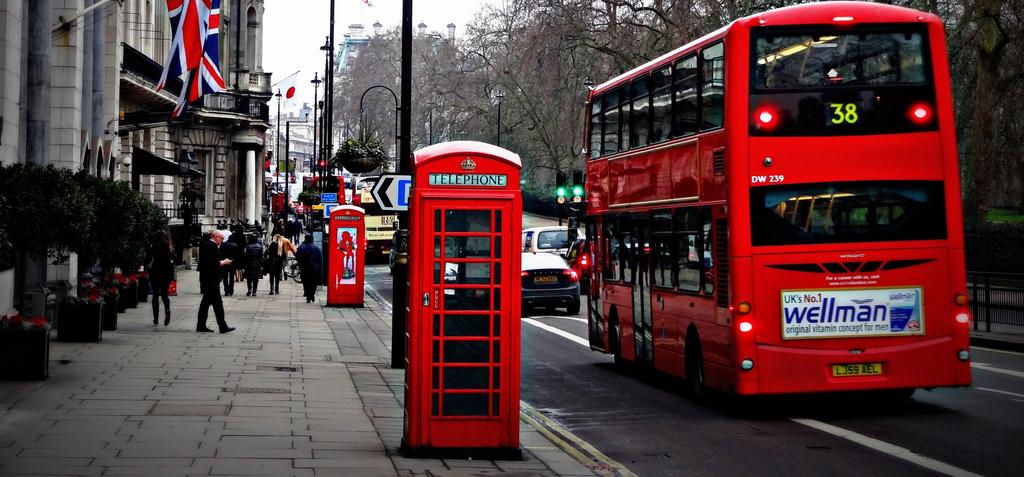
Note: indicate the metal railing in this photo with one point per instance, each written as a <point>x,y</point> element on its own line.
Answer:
<point>173,209</point>
<point>996,298</point>
<point>238,104</point>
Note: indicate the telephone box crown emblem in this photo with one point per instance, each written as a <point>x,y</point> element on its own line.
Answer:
<point>468,164</point>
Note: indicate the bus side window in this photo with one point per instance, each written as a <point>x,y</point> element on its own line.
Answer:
<point>610,124</point>
<point>688,251</point>
<point>611,252</point>
<point>684,98</point>
<point>663,249</point>
<point>595,128</point>
<point>661,104</point>
<point>712,86</point>
<point>709,263</point>
<point>626,252</point>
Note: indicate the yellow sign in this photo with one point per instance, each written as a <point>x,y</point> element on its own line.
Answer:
<point>318,207</point>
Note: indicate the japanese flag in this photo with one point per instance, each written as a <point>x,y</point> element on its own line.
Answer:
<point>287,88</point>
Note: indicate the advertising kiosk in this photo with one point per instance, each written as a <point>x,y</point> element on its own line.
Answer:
<point>462,364</point>
<point>345,253</point>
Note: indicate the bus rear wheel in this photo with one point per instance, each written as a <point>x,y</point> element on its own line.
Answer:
<point>615,343</point>
<point>694,367</point>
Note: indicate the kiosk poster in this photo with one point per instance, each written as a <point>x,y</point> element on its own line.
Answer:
<point>347,244</point>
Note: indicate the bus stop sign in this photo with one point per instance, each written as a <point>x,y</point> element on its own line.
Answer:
<point>391,192</point>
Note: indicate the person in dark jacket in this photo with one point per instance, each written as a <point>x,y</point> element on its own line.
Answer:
<point>229,250</point>
<point>210,270</point>
<point>310,265</point>
<point>160,261</point>
<point>253,265</point>
<point>238,237</point>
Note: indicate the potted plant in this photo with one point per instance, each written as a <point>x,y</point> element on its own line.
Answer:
<point>110,308</point>
<point>363,153</point>
<point>24,347</point>
<point>143,279</point>
<point>309,198</point>
<point>81,317</point>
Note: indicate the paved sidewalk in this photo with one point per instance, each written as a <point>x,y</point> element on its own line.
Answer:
<point>296,390</point>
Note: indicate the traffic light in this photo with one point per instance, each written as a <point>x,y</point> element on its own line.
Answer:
<point>577,186</point>
<point>560,190</point>
<point>322,164</point>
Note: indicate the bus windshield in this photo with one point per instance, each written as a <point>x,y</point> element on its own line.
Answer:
<point>789,61</point>
<point>840,83</point>
<point>847,212</point>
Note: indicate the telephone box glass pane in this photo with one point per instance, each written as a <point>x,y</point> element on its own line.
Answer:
<point>466,352</point>
<point>437,221</point>
<point>497,221</point>
<point>467,221</point>
<point>474,404</point>
<point>467,273</point>
<point>467,325</point>
<point>467,299</point>
<point>465,378</point>
<point>467,247</point>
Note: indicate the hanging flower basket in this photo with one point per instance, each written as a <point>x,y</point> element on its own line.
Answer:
<point>24,348</point>
<point>362,154</point>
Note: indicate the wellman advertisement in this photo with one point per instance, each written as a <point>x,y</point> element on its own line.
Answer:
<point>852,313</point>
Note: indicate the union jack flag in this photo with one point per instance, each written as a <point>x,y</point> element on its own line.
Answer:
<point>194,53</point>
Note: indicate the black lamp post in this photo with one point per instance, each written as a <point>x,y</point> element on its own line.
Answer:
<point>277,148</point>
<point>326,110</point>
<point>314,166</point>
<point>500,95</point>
<point>430,121</point>
<point>398,109</point>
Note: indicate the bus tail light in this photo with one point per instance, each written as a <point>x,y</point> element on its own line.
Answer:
<point>746,326</point>
<point>920,113</point>
<point>742,308</point>
<point>960,299</point>
<point>584,261</point>
<point>766,118</point>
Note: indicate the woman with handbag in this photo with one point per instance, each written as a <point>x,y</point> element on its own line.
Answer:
<point>277,254</point>
<point>160,264</point>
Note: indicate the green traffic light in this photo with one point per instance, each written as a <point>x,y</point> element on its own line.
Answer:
<point>577,190</point>
<point>560,191</point>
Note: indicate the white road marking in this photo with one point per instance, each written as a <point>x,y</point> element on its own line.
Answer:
<point>869,442</point>
<point>989,367</point>
<point>571,318</point>
<point>886,448</point>
<point>1003,351</point>
<point>563,334</point>
<point>1008,393</point>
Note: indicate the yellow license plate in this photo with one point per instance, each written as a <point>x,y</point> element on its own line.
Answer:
<point>545,279</point>
<point>856,369</point>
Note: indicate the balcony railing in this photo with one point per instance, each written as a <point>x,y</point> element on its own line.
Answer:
<point>233,103</point>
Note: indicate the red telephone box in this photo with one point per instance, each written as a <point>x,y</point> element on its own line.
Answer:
<point>462,360</point>
<point>346,253</point>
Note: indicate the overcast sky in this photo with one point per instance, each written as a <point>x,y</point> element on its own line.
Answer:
<point>294,30</point>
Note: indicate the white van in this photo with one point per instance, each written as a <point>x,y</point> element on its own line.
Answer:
<point>550,239</point>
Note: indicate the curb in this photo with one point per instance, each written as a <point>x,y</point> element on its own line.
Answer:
<point>997,344</point>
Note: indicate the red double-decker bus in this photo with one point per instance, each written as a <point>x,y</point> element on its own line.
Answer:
<point>775,207</point>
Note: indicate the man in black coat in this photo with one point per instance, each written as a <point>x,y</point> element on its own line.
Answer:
<point>310,261</point>
<point>210,265</point>
<point>228,249</point>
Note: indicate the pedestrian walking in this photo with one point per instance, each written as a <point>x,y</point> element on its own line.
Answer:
<point>310,267</point>
<point>228,250</point>
<point>277,254</point>
<point>253,262</point>
<point>160,266</point>
<point>239,239</point>
<point>210,270</point>
<point>295,229</point>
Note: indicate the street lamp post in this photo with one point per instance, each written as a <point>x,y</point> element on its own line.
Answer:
<point>287,165</point>
<point>326,110</point>
<point>398,109</point>
<point>430,121</point>
<point>277,148</point>
<point>500,95</point>
<point>314,164</point>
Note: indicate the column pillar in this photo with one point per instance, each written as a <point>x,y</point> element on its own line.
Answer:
<point>250,186</point>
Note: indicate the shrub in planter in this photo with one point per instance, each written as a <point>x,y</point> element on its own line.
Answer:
<point>24,347</point>
<point>143,279</point>
<point>81,319</point>
<point>111,307</point>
